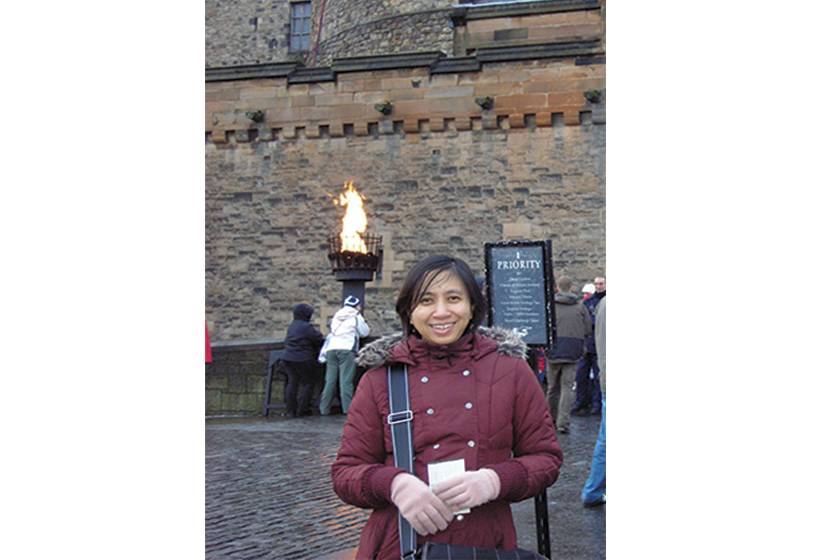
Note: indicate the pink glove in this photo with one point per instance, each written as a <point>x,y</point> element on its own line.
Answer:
<point>470,489</point>
<point>420,507</point>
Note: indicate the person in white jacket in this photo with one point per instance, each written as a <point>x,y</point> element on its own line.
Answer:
<point>346,327</point>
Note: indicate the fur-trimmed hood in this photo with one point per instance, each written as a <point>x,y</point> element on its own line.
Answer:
<point>378,352</point>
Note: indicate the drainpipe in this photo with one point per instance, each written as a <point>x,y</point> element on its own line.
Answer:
<point>318,37</point>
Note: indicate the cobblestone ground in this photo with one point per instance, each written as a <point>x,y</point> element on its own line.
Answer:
<point>268,493</point>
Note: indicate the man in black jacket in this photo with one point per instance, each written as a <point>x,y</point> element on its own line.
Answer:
<point>573,325</point>
<point>588,392</point>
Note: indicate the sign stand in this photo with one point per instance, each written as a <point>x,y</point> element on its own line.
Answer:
<point>520,289</point>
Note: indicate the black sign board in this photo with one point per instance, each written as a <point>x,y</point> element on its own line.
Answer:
<point>520,289</point>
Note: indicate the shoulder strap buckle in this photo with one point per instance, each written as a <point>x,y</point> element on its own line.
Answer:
<point>400,417</point>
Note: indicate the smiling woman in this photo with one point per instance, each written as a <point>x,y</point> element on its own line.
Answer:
<point>476,403</point>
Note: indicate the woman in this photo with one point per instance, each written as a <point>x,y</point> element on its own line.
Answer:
<point>300,355</point>
<point>473,397</point>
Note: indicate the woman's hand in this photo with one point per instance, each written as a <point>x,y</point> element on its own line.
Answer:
<point>471,489</point>
<point>426,513</point>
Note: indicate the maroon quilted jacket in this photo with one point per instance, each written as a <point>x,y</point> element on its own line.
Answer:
<point>476,399</point>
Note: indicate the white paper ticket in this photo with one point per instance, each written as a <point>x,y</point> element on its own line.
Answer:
<point>438,472</point>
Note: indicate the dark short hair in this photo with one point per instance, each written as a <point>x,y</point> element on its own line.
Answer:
<point>421,276</point>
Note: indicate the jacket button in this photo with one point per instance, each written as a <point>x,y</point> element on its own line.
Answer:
<point>466,372</point>
<point>436,446</point>
<point>424,379</point>
<point>471,443</point>
<point>430,411</point>
<point>468,405</point>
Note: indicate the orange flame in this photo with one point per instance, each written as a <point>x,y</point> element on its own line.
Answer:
<point>354,222</point>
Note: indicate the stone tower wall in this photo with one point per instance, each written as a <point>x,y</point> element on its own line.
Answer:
<point>439,172</point>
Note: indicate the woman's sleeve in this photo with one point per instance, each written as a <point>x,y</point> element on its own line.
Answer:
<point>537,455</point>
<point>359,474</point>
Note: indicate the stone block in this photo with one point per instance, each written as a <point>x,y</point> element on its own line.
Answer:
<point>453,106</point>
<point>361,129</point>
<point>516,120</point>
<point>544,119</point>
<point>489,122</point>
<point>261,92</point>
<point>336,130</point>
<point>218,136</point>
<point>334,99</point>
<point>463,123</point>
<point>521,103</point>
<point>566,99</point>
<point>212,402</point>
<point>516,231</point>
<point>455,91</point>
<point>386,126</point>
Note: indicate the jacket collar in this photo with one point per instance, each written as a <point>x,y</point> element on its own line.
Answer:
<point>394,348</point>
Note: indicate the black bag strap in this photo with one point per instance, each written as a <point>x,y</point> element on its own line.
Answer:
<point>400,422</point>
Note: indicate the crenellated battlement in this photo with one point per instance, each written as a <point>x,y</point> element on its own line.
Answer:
<point>515,87</point>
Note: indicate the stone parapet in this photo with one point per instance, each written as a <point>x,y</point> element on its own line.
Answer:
<point>409,93</point>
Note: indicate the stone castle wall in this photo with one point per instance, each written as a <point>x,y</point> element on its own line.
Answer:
<point>439,172</point>
<point>246,32</point>
<point>391,103</point>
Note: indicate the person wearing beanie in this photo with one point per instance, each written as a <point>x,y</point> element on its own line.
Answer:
<point>346,328</point>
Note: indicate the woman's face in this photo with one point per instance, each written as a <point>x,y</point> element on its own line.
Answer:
<point>443,311</point>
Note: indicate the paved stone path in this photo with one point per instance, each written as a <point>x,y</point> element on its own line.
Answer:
<point>268,493</point>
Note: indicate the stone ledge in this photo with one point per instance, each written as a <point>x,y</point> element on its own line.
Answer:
<point>465,12</point>
<point>312,75</point>
<point>386,62</point>
<point>581,46</point>
<point>246,345</point>
<point>448,65</point>
<point>250,71</point>
<point>437,62</point>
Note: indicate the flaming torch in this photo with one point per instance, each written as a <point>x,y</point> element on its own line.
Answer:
<point>354,254</point>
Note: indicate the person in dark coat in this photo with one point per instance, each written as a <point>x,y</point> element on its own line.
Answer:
<point>300,355</point>
<point>473,398</point>
<point>588,386</point>
<point>573,324</point>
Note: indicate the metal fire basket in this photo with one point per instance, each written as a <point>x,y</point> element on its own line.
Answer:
<point>350,265</point>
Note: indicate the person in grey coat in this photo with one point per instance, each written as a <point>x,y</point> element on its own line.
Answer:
<point>573,324</point>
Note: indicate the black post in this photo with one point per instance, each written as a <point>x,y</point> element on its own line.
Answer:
<point>541,499</point>
<point>541,511</point>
